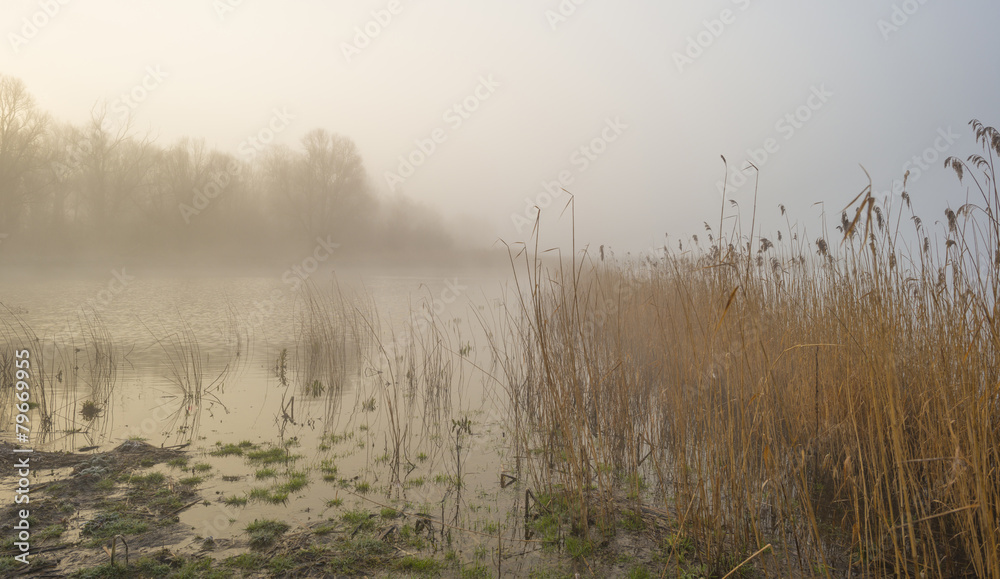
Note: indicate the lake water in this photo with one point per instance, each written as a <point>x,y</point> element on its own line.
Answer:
<point>380,411</point>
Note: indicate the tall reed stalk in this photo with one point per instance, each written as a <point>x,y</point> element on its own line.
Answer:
<point>836,398</point>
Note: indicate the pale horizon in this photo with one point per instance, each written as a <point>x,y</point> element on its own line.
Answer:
<point>893,83</point>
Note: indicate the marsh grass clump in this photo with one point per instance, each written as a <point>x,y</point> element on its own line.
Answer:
<point>235,501</point>
<point>360,554</point>
<point>835,396</point>
<point>148,480</point>
<point>51,532</point>
<point>144,567</point>
<point>359,519</point>
<point>329,470</point>
<point>263,533</point>
<point>232,449</point>
<point>227,450</point>
<point>275,496</point>
<point>108,524</point>
<point>89,410</point>
<point>295,482</point>
<point>412,564</point>
<point>246,561</point>
<point>272,455</point>
<point>180,462</point>
<point>265,473</point>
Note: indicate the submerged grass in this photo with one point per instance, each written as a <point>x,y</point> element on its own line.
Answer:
<point>264,532</point>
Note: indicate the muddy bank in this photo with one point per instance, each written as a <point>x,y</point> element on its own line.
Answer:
<point>123,504</point>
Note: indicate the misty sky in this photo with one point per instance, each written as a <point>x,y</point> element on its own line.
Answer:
<point>654,92</point>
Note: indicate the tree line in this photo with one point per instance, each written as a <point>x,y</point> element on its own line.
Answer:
<point>99,190</point>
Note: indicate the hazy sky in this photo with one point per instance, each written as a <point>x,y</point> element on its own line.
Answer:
<point>632,101</point>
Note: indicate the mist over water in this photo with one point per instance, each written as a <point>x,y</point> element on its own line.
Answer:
<point>522,289</point>
<point>99,192</point>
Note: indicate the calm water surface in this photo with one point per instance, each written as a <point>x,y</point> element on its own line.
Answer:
<point>241,324</point>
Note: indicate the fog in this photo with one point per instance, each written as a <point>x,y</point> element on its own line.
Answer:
<point>499,289</point>
<point>241,132</point>
<point>82,193</point>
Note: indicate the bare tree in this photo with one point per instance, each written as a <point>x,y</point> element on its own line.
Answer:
<point>333,194</point>
<point>87,190</point>
<point>114,168</point>
<point>22,128</point>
